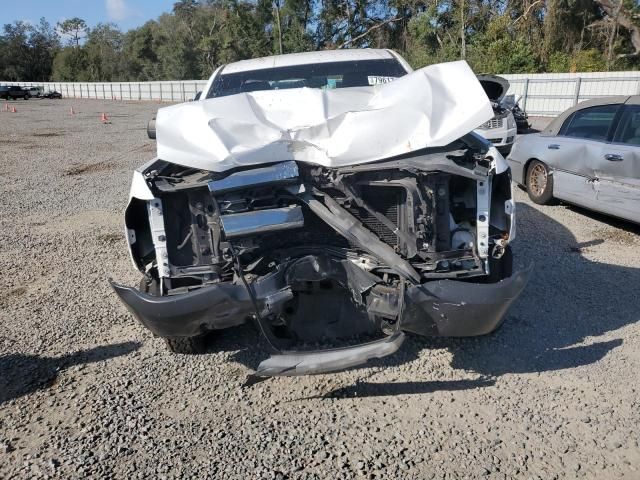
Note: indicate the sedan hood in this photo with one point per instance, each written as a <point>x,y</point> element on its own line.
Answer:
<point>430,107</point>
<point>495,87</point>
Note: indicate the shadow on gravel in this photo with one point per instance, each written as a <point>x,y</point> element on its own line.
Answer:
<point>24,374</point>
<point>568,299</point>
<point>362,389</point>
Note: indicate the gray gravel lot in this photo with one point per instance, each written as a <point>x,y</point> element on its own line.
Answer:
<point>85,392</point>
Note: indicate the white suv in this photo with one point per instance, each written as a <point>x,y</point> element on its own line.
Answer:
<point>501,129</point>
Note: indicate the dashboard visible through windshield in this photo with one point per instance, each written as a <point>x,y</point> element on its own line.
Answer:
<point>326,76</point>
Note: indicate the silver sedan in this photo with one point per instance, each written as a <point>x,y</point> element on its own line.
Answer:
<point>588,156</point>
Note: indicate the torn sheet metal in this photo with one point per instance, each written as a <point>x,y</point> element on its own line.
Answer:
<point>430,107</point>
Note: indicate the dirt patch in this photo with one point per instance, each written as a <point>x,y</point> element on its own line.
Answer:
<point>12,293</point>
<point>48,134</point>
<point>85,169</point>
<point>110,238</point>
<point>618,236</point>
<point>20,143</point>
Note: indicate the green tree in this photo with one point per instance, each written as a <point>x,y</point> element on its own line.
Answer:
<point>71,65</point>
<point>75,29</point>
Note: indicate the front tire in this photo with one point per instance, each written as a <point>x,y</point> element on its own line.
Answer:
<point>187,345</point>
<point>539,183</point>
<point>27,97</point>
<point>183,345</point>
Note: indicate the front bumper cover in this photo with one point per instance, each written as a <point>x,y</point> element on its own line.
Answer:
<point>440,308</point>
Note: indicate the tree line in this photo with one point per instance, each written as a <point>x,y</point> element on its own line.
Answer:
<point>494,36</point>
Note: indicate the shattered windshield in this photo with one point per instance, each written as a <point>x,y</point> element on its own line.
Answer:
<point>319,75</point>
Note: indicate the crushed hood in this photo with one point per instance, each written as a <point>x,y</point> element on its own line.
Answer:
<point>495,87</point>
<point>430,107</point>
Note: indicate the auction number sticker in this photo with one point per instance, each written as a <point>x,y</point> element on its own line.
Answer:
<point>377,80</point>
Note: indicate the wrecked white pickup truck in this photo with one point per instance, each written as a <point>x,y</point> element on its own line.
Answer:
<point>324,196</point>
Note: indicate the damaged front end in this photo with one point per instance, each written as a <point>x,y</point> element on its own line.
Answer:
<point>417,243</point>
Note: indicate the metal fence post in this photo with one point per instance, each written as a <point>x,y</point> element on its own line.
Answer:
<point>525,94</point>
<point>171,85</point>
<point>576,97</point>
<point>184,99</point>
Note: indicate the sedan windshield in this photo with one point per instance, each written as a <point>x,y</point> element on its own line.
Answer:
<point>318,75</point>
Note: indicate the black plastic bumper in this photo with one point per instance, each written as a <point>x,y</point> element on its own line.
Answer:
<point>449,308</point>
<point>439,308</point>
<point>209,308</point>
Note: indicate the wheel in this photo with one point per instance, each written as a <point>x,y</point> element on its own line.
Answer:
<point>27,97</point>
<point>9,97</point>
<point>184,345</point>
<point>151,129</point>
<point>187,345</point>
<point>539,183</point>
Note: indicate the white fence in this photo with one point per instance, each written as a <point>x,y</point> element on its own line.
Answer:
<point>543,94</point>
<point>171,91</point>
<point>547,94</point>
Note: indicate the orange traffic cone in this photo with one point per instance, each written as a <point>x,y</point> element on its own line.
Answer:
<point>6,106</point>
<point>104,118</point>
<point>13,110</point>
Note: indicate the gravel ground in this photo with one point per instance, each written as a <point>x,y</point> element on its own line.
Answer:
<point>85,392</point>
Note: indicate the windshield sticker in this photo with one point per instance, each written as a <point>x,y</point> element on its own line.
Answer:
<point>377,80</point>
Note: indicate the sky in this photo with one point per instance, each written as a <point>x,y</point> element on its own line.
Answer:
<point>124,13</point>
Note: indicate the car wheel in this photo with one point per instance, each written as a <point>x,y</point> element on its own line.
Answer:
<point>26,97</point>
<point>539,183</point>
<point>9,97</point>
<point>184,345</point>
<point>151,129</point>
<point>187,345</point>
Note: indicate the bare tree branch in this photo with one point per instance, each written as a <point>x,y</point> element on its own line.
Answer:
<point>375,27</point>
<point>526,12</point>
<point>625,21</point>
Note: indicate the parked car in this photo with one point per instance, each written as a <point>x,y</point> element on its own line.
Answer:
<point>589,155</point>
<point>11,92</point>
<point>52,94</point>
<point>520,116</point>
<point>501,129</point>
<point>35,92</point>
<point>361,204</point>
